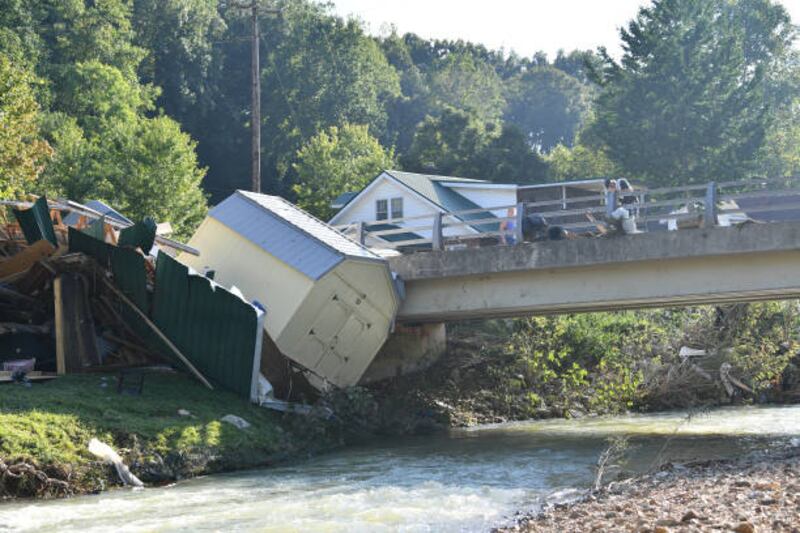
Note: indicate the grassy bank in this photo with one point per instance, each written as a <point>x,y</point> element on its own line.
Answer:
<point>48,426</point>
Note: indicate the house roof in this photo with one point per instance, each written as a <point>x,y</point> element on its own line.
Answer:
<point>343,199</point>
<point>432,188</point>
<point>288,233</point>
<point>72,218</point>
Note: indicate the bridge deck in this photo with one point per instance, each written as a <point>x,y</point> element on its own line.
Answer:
<point>742,263</point>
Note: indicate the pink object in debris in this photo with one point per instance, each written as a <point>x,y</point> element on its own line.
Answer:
<point>19,365</point>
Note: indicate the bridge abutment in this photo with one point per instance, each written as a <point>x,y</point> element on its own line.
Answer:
<point>408,349</point>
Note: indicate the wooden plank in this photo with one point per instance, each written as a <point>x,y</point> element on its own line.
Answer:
<point>76,341</point>
<point>26,258</point>
<point>5,376</point>
<point>158,332</point>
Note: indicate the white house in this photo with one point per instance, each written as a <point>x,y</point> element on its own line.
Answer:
<point>396,199</point>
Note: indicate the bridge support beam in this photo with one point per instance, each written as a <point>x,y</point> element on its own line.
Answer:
<point>662,283</point>
<point>688,267</point>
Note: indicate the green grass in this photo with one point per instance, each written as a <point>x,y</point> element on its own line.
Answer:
<point>52,423</point>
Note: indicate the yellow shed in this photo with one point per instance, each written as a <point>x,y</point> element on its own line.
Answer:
<point>330,302</point>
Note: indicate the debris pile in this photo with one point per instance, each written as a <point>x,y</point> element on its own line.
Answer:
<point>105,295</point>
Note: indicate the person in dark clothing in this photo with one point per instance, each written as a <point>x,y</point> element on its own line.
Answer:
<point>534,228</point>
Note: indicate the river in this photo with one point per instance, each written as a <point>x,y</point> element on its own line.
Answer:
<point>468,480</point>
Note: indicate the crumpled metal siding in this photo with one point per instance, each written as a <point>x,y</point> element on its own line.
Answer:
<point>140,235</point>
<point>216,329</point>
<point>126,264</point>
<point>36,223</point>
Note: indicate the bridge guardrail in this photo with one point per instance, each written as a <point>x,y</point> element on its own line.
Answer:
<point>697,204</point>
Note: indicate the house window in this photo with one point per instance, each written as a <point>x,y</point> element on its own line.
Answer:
<point>381,209</point>
<point>397,208</point>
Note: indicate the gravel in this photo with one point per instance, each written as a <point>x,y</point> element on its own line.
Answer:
<point>744,496</point>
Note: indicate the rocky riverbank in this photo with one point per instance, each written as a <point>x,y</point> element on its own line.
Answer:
<point>745,496</point>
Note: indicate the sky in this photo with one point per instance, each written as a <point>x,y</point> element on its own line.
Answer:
<point>525,26</point>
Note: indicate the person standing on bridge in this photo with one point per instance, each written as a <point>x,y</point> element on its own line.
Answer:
<point>507,227</point>
<point>616,212</point>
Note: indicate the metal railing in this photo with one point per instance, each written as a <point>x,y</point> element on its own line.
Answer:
<point>692,205</point>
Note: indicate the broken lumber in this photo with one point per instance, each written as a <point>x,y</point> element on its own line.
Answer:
<point>158,332</point>
<point>76,340</point>
<point>26,258</point>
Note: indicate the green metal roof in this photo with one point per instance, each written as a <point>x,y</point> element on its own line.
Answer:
<point>430,186</point>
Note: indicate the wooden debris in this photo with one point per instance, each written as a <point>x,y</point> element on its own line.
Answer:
<point>26,258</point>
<point>76,340</point>
<point>7,377</point>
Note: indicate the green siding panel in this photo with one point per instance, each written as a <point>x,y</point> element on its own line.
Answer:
<point>127,265</point>
<point>95,248</point>
<point>140,235</point>
<point>36,223</point>
<point>214,328</point>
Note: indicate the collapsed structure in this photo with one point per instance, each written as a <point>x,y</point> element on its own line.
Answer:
<point>101,300</point>
<point>330,302</point>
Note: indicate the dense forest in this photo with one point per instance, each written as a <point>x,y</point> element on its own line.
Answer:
<point>146,103</point>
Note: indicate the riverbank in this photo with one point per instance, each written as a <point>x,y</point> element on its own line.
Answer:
<point>173,430</point>
<point>759,493</point>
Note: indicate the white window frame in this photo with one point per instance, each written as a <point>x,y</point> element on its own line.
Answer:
<point>394,214</point>
<point>385,203</point>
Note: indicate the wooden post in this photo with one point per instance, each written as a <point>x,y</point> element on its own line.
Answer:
<point>710,215</point>
<point>520,216</point>
<point>437,240</point>
<point>76,340</point>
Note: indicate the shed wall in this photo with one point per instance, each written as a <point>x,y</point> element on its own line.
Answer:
<point>342,324</point>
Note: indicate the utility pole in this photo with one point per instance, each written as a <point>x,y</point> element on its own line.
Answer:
<point>255,112</point>
<point>255,94</point>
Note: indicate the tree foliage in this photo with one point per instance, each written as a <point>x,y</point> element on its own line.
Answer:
<point>578,162</point>
<point>688,100</point>
<point>109,141</point>
<point>548,105</point>
<point>458,144</point>
<point>23,152</point>
<point>334,161</point>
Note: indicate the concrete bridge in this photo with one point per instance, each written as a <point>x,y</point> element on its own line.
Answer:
<point>749,262</point>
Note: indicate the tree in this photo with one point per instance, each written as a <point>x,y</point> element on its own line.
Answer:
<point>780,155</point>
<point>152,170</point>
<point>335,161</point>
<point>106,148</point>
<point>23,152</point>
<point>578,162</point>
<point>317,71</point>
<point>457,144</point>
<point>548,105</point>
<point>687,101</point>
<point>462,82</point>
<point>179,36</point>
<point>447,144</point>
<point>508,158</point>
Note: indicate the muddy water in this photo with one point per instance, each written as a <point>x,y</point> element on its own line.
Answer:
<point>466,481</point>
